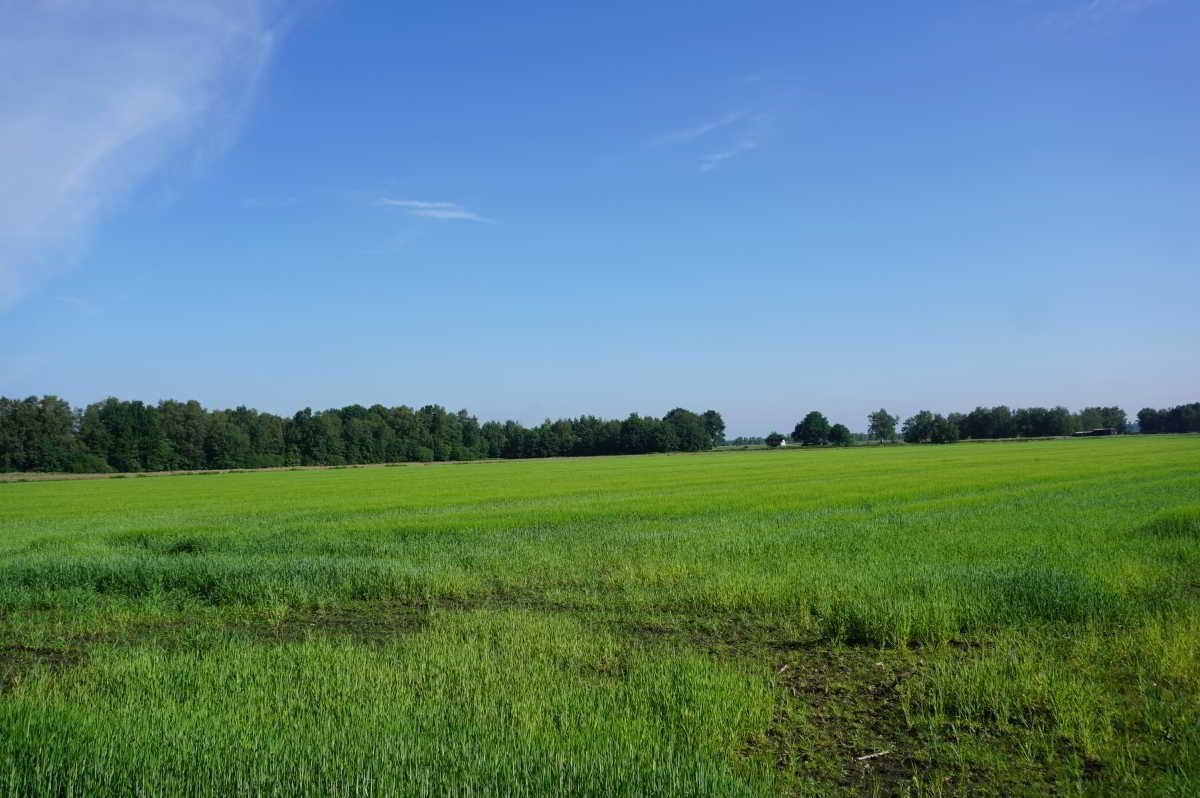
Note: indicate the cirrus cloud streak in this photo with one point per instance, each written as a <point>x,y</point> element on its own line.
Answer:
<point>437,210</point>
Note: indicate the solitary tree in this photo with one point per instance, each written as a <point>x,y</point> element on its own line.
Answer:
<point>881,426</point>
<point>774,439</point>
<point>839,435</point>
<point>812,431</point>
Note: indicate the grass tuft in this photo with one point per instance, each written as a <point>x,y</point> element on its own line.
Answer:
<point>1177,522</point>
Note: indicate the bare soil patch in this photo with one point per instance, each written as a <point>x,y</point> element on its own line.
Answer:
<point>17,661</point>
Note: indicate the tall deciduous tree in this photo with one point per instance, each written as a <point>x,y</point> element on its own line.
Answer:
<point>813,430</point>
<point>715,425</point>
<point>881,426</point>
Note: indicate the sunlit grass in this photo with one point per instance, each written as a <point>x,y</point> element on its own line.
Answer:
<point>482,703</point>
<point>1071,568</point>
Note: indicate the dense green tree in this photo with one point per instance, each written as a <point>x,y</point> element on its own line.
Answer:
<point>1040,422</point>
<point>226,444</point>
<point>1061,421</point>
<point>1102,418</point>
<point>635,435</point>
<point>1181,418</point>
<point>595,436</point>
<point>514,440</point>
<point>553,438</point>
<point>979,423</point>
<point>839,435</point>
<point>1029,421</point>
<point>881,426</point>
<point>930,427</point>
<point>1003,423</point>
<point>944,430</point>
<point>774,439</point>
<point>1090,418</point>
<point>184,425</point>
<point>470,435</point>
<point>663,437</point>
<point>813,430</point>
<point>610,440</point>
<point>715,426</point>
<point>957,420</point>
<point>1184,418</point>
<point>39,435</point>
<point>918,428</point>
<point>927,427</point>
<point>491,434</point>
<point>126,434</point>
<point>689,431</point>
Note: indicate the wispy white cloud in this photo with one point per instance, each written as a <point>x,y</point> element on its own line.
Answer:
<point>95,96</point>
<point>417,204</point>
<point>696,131</point>
<point>714,159</point>
<point>1096,16</point>
<point>436,210</point>
<point>735,133</point>
<point>450,213</point>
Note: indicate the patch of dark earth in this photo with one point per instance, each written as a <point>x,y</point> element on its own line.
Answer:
<point>17,662</point>
<point>377,625</point>
<point>841,722</point>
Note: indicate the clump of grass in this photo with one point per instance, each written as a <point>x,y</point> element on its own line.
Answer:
<point>1177,522</point>
<point>1036,592</point>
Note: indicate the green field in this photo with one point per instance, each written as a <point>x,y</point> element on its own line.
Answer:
<point>1002,619</point>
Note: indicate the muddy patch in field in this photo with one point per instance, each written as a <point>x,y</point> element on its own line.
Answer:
<point>841,727</point>
<point>840,719</point>
<point>376,623</point>
<point>17,662</point>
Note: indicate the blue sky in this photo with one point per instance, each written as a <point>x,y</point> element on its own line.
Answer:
<point>546,209</point>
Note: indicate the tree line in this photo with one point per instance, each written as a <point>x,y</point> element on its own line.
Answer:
<point>989,423</point>
<point>985,423</point>
<point>115,435</point>
<point>1183,418</point>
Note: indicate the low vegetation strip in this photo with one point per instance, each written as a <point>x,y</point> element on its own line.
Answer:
<point>891,620</point>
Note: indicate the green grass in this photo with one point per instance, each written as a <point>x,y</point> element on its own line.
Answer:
<point>1007,620</point>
